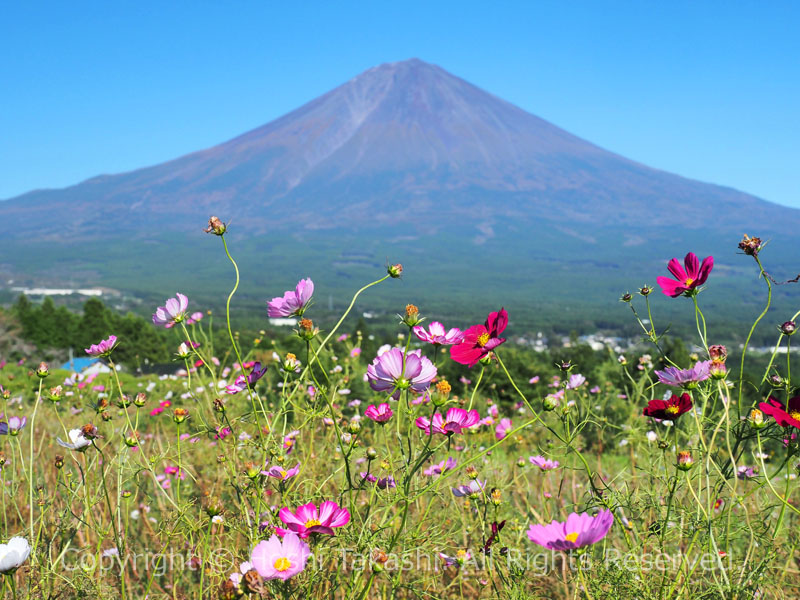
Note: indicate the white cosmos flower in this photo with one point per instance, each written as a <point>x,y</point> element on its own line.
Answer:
<point>77,441</point>
<point>13,554</point>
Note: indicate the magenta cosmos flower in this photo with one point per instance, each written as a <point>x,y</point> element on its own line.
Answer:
<point>387,372</point>
<point>380,414</point>
<point>454,421</point>
<point>438,469</point>
<point>173,311</point>
<point>103,348</point>
<point>687,277</point>
<point>436,334</point>
<point>293,303</point>
<point>687,378</point>
<point>785,415</point>
<point>479,340</point>
<point>309,519</point>
<point>578,531</point>
<point>276,559</point>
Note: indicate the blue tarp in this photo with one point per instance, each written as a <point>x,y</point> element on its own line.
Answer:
<point>79,364</point>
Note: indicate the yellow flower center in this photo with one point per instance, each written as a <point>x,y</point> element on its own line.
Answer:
<point>795,415</point>
<point>282,564</point>
<point>673,409</point>
<point>283,474</point>
<point>461,554</point>
<point>483,339</point>
<point>572,537</point>
<point>689,281</point>
<point>312,523</point>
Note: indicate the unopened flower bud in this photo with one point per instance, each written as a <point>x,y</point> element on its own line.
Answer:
<point>412,316</point>
<point>496,497</point>
<point>140,399</point>
<point>685,460</point>
<point>550,402</point>
<point>694,357</point>
<point>3,459</point>
<point>520,462</point>
<point>42,370</point>
<point>124,401</point>
<point>354,427</point>
<point>221,458</point>
<point>219,405</point>
<point>717,352</point>
<point>307,330</point>
<point>717,370</point>
<point>626,297</point>
<point>372,454</point>
<point>55,393</point>
<point>395,271</point>
<point>472,472</point>
<point>622,360</point>
<point>126,494</point>
<point>750,245</point>
<point>756,419</point>
<point>788,328</point>
<point>215,226</point>
<point>132,440</point>
<point>645,290</point>
<point>252,470</point>
<point>565,365</point>
<point>6,394</point>
<point>180,415</point>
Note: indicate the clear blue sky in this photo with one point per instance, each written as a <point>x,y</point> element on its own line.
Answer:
<point>709,90</point>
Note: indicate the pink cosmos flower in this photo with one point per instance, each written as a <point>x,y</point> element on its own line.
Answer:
<point>436,334</point>
<point>174,311</point>
<point>368,477</point>
<point>278,472</point>
<point>461,557</point>
<point>103,348</point>
<point>686,279</point>
<point>479,340</point>
<point>387,372</point>
<point>545,464</point>
<point>13,426</point>
<point>473,488</point>
<point>503,428</point>
<point>578,531</point>
<point>309,519</point>
<point>381,414</point>
<point>454,421</point>
<point>438,469</point>
<point>241,383</point>
<point>293,303</point>
<point>194,318</point>
<point>688,378</point>
<point>276,559</point>
<point>575,381</point>
<point>534,379</point>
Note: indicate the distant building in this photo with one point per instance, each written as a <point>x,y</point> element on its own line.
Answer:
<point>283,321</point>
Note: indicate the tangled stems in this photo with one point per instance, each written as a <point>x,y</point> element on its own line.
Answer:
<point>752,329</point>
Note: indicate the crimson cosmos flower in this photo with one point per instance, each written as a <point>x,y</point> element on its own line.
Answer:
<point>479,340</point>
<point>688,277</point>
<point>668,410</point>
<point>785,416</point>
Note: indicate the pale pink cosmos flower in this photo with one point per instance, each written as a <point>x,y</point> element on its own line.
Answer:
<point>194,318</point>
<point>438,469</point>
<point>380,414</point>
<point>436,334</point>
<point>454,421</point>
<point>309,519</point>
<point>389,372</point>
<point>545,464</point>
<point>578,531</point>
<point>102,348</point>
<point>503,428</point>
<point>278,472</point>
<point>292,303</point>
<point>687,378</point>
<point>461,557</point>
<point>173,311</point>
<point>473,488</point>
<point>276,559</point>
<point>575,381</point>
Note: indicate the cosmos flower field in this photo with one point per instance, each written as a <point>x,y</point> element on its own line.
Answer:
<point>328,473</point>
